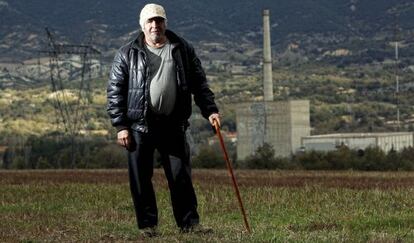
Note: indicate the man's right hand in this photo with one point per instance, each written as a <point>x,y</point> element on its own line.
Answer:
<point>124,138</point>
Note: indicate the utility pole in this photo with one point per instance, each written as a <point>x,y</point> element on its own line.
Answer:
<point>397,69</point>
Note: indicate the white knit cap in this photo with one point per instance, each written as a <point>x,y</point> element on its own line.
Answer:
<point>151,10</point>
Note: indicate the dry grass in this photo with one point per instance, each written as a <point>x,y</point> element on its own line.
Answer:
<point>95,205</point>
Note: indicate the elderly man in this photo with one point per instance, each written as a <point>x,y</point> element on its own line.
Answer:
<point>149,93</point>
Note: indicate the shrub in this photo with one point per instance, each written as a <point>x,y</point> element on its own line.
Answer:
<point>264,158</point>
<point>374,159</point>
<point>109,156</point>
<point>312,160</point>
<point>342,159</point>
<point>209,157</point>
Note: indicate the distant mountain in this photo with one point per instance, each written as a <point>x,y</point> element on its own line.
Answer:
<point>111,23</point>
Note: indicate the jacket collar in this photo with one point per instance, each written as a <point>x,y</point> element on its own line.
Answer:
<point>139,42</point>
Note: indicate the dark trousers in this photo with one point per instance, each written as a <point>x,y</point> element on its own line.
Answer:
<point>172,145</point>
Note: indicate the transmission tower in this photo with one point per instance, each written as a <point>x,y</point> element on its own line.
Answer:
<point>69,105</point>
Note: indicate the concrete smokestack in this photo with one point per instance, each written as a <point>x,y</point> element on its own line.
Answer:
<point>267,58</point>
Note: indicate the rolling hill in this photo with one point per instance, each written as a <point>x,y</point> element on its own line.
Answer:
<point>111,23</point>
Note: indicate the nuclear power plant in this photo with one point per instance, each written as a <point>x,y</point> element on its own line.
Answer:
<point>281,124</point>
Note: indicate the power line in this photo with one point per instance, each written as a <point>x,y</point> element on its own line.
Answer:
<point>70,113</point>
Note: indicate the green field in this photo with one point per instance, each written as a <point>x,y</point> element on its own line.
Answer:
<point>282,206</point>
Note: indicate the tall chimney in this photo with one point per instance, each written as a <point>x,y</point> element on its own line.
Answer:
<point>267,58</point>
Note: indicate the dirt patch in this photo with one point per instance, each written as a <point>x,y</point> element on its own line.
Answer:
<point>253,178</point>
<point>335,179</point>
<point>63,176</point>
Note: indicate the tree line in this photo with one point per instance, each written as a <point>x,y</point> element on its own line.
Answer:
<point>54,152</point>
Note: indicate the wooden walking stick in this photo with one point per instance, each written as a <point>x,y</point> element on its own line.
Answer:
<point>230,170</point>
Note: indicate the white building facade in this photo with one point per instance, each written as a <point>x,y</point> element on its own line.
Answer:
<point>385,141</point>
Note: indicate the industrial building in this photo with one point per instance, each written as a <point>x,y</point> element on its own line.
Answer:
<point>359,141</point>
<point>281,124</point>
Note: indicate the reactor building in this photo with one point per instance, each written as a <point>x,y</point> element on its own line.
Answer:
<point>282,124</point>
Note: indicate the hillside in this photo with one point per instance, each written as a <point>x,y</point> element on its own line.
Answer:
<point>110,24</point>
<point>338,54</point>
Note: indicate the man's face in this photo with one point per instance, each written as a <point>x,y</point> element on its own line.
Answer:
<point>154,29</point>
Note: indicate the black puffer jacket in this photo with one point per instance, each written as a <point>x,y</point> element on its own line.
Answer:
<point>128,87</point>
